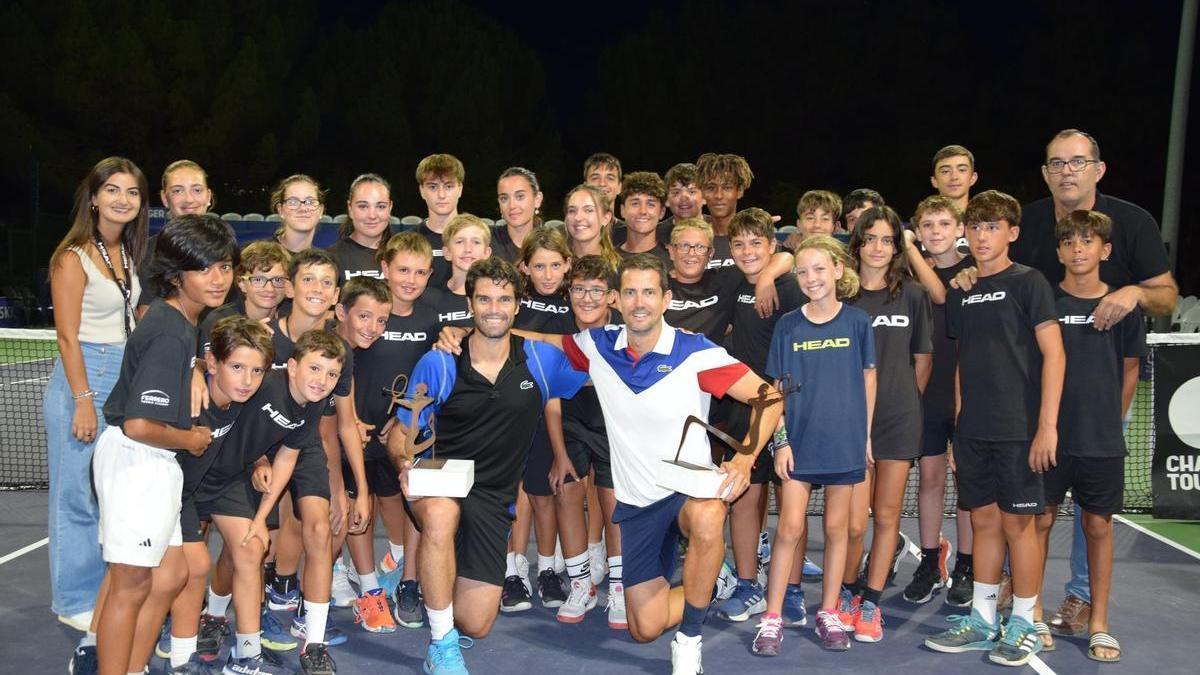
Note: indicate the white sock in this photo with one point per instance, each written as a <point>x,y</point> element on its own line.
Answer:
<point>984,600</point>
<point>560,565</point>
<point>248,645</point>
<point>685,640</point>
<point>578,567</point>
<point>1023,607</point>
<point>315,616</point>
<point>441,621</point>
<point>218,605</point>
<point>545,562</point>
<point>510,565</point>
<point>614,569</point>
<point>397,551</point>
<point>522,566</point>
<point>367,582</point>
<point>182,649</point>
<point>88,639</point>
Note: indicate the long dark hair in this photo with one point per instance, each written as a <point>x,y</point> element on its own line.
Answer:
<point>898,269</point>
<point>84,220</point>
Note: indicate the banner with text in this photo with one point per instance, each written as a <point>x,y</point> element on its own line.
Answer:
<point>1176,468</point>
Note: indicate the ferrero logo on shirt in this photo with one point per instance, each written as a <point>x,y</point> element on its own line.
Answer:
<point>827,343</point>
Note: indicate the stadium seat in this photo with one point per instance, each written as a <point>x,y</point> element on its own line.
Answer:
<point>231,216</point>
<point>326,219</point>
<point>393,220</point>
<point>253,216</point>
<point>410,221</point>
<point>499,223</point>
<point>1190,321</point>
<point>273,218</point>
<point>488,221</point>
<point>340,218</point>
<point>786,229</point>
<point>554,223</point>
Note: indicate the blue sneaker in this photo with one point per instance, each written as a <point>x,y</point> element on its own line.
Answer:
<point>334,636</point>
<point>445,655</point>
<point>970,633</point>
<point>83,661</point>
<point>194,666</point>
<point>265,663</point>
<point>284,598</point>
<point>812,572</point>
<point>274,635</point>
<point>162,649</point>
<point>390,581</point>
<point>747,600</point>
<point>1019,641</point>
<point>795,613</point>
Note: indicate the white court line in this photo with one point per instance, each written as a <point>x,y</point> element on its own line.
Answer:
<point>1154,535</point>
<point>1039,666</point>
<point>22,551</point>
<point>32,379</point>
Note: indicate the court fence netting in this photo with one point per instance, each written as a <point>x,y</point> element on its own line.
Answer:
<point>27,358</point>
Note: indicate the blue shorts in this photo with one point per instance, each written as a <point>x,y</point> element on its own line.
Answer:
<point>649,539</point>
<point>845,478</point>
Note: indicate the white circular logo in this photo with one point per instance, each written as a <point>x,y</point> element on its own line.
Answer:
<point>1184,412</point>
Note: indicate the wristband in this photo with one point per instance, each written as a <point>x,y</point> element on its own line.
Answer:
<point>781,437</point>
<point>86,393</point>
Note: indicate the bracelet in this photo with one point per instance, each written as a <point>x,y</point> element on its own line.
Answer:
<point>86,393</point>
<point>781,437</point>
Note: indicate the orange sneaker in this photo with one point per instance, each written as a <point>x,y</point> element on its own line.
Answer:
<point>389,564</point>
<point>848,609</point>
<point>869,627</point>
<point>371,611</point>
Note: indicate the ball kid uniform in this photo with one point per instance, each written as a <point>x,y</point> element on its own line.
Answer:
<point>441,267</point>
<point>902,326</point>
<point>706,306</point>
<point>646,401</point>
<point>450,308</point>
<point>138,486</point>
<point>542,314</point>
<point>1091,444</point>
<point>194,468</point>
<point>492,424</point>
<point>584,432</point>
<point>659,251</point>
<point>749,343</point>
<point>938,400</point>
<point>1000,377</point>
<point>354,260</point>
<point>821,367</point>
<point>205,328</point>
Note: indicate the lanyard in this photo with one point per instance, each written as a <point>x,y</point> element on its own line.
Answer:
<point>124,285</point>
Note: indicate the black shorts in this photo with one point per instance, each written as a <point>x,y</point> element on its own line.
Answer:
<point>536,479</point>
<point>737,425</point>
<point>997,472</point>
<point>310,478</point>
<point>585,457</point>
<point>382,478</point>
<point>1097,484</point>
<point>239,499</point>
<point>481,543</point>
<point>189,522</point>
<point>938,434</point>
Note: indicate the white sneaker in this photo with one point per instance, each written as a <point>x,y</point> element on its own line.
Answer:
<point>80,622</point>
<point>597,562</point>
<point>579,602</point>
<point>685,655</point>
<point>523,572</point>
<point>726,582</point>
<point>343,594</point>
<point>616,607</point>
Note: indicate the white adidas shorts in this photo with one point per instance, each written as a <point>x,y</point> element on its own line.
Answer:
<point>139,489</point>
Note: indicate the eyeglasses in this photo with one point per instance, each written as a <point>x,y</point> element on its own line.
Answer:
<point>1076,164</point>
<point>307,202</point>
<point>259,281</point>
<point>593,293</point>
<point>698,249</point>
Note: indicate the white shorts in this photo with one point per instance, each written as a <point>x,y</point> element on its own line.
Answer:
<point>139,488</point>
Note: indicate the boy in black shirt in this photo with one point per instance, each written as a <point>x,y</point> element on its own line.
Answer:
<point>261,276</point>
<point>1010,374</point>
<point>440,182</point>
<point>642,206</point>
<point>137,477</point>
<point>723,180</point>
<point>1101,379</point>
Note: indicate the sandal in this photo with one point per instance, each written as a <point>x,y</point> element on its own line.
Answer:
<point>1102,639</point>
<point>1043,631</point>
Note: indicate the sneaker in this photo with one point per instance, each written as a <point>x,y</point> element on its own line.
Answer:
<point>924,582</point>
<point>616,608</point>
<point>902,543</point>
<point>390,581</point>
<point>597,564</point>
<point>265,663</point>
<point>550,589</point>
<point>81,622</point>
<point>962,586</point>
<point>769,639</point>
<point>794,611</point>
<point>83,661</point>
<point>832,632</point>
<point>848,608</point>
<point>445,656</point>
<point>334,636</point>
<point>1071,617</point>
<point>162,648</point>
<point>764,547</point>
<point>869,627</point>
<point>194,666</point>
<point>213,631</point>
<point>581,600</point>
<point>747,600</point>
<point>685,655</point>
<point>283,594</point>
<point>274,635</point>
<point>343,594</point>
<point>1019,641</point>
<point>945,550</point>
<point>372,613</point>
<point>315,660</point>
<point>514,597</point>
<point>727,583</point>
<point>812,572</point>
<point>406,603</point>
<point>970,633</point>
<point>388,564</point>
<point>1004,599</point>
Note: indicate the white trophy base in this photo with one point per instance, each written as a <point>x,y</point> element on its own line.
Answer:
<point>441,478</point>
<point>701,482</point>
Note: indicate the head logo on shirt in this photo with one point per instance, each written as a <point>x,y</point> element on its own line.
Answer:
<point>375,274</point>
<point>984,297</point>
<point>221,431</point>
<point>893,321</point>
<point>677,305</point>
<point>827,343</point>
<point>192,365</point>
<point>156,397</point>
<point>539,306</point>
<point>526,384</point>
<point>402,336</point>
<point>278,418</point>
<point>1077,319</point>
<point>461,315</point>
<point>746,299</point>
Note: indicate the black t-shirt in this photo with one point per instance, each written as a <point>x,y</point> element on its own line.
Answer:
<point>999,361</point>
<point>204,343</point>
<point>221,423</point>
<point>705,307</point>
<point>583,419</point>
<point>503,246</point>
<point>1089,417</point>
<point>441,267</point>
<point>545,314</point>
<point>355,260</point>
<point>1138,253</point>
<point>939,393</point>
<point>722,256</point>
<point>659,251</point>
<point>150,289</point>
<point>902,326</point>
<point>402,344</point>
<point>155,382</point>
<point>284,346</point>
<point>750,341</point>
<point>271,419</point>
<point>450,308</point>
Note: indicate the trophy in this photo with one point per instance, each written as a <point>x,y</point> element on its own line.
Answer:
<point>430,476</point>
